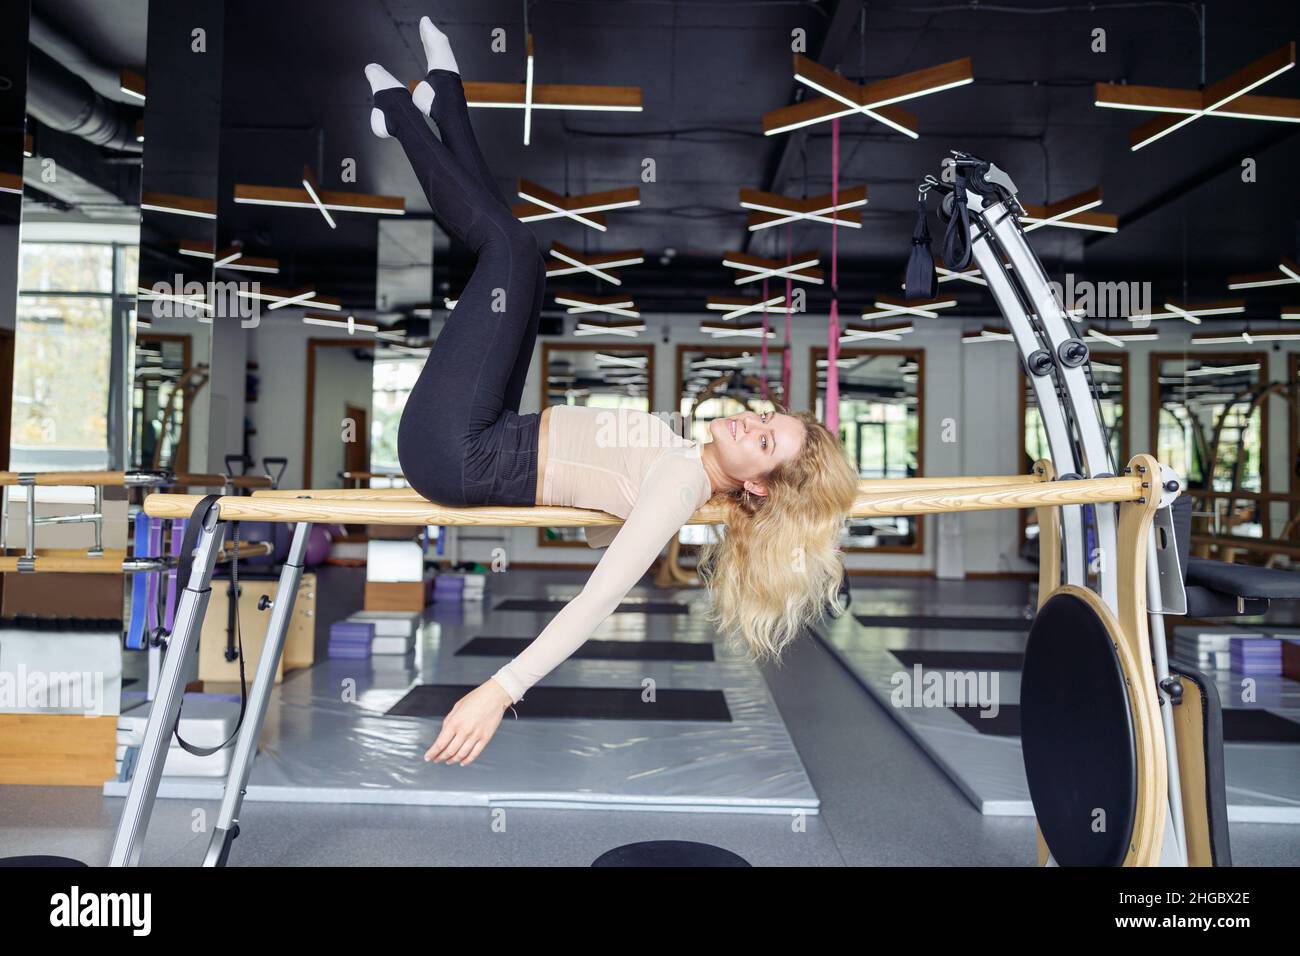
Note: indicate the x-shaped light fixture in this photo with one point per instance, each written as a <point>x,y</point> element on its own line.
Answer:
<point>310,196</point>
<point>773,210</point>
<point>725,330</point>
<point>802,267</point>
<point>1071,213</point>
<point>1194,313</point>
<point>529,96</point>
<point>1226,98</point>
<point>232,257</point>
<point>842,97</point>
<point>890,333</point>
<point>735,307</point>
<point>1286,273</point>
<point>986,334</point>
<point>350,324</point>
<point>571,262</point>
<point>628,328</point>
<point>1117,339</point>
<point>1245,336</point>
<point>540,203</point>
<point>579,304</point>
<point>886,306</point>
<point>280,298</point>
<point>179,205</point>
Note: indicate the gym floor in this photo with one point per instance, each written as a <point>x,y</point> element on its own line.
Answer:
<point>883,801</point>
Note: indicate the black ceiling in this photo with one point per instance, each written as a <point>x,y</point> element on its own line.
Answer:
<point>709,70</point>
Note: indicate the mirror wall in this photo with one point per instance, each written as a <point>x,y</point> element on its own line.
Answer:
<point>72,91</point>
<point>881,418</point>
<point>1209,423</point>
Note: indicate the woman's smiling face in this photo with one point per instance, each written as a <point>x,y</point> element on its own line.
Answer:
<point>749,445</point>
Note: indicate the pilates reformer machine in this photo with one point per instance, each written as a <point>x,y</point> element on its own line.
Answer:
<point>1123,754</point>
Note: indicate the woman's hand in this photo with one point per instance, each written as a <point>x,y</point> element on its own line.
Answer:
<point>470,725</point>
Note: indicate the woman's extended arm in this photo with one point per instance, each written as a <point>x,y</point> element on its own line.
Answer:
<point>669,494</point>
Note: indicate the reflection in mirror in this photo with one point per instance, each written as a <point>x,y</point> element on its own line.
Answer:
<point>170,400</point>
<point>880,430</point>
<point>341,385</point>
<point>1210,417</point>
<point>13,149</point>
<point>68,297</point>
<point>166,383</point>
<point>596,376</point>
<point>1109,378</point>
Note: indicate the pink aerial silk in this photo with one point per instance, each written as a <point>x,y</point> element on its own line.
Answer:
<point>785,355</point>
<point>762,375</point>
<point>833,327</point>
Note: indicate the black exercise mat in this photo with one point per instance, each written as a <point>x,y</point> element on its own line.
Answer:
<point>961,660</point>
<point>627,607</point>
<point>582,703</point>
<point>1239,726</point>
<point>687,651</point>
<point>1258,727</point>
<point>1005,723</point>
<point>938,623</point>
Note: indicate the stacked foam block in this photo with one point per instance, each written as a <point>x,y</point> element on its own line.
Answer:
<point>394,631</point>
<point>207,720</point>
<point>350,640</point>
<point>459,587</point>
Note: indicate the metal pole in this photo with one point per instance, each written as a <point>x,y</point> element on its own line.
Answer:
<point>134,822</point>
<point>227,827</point>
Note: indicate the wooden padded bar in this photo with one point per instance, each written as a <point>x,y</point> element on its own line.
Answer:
<point>74,561</point>
<point>977,497</point>
<point>866,485</point>
<point>69,478</point>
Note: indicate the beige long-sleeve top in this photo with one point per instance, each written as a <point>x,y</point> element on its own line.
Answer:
<point>630,464</point>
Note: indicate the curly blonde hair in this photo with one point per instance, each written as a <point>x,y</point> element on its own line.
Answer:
<point>776,567</point>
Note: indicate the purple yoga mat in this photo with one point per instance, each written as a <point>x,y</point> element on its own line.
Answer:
<point>178,536</point>
<point>151,589</point>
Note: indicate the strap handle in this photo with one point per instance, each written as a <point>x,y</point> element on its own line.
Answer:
<point>184,568</point>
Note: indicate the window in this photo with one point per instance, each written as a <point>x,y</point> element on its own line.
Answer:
<point>71,296</point>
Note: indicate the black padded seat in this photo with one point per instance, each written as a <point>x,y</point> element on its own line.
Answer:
<point>669,853</point>
<point>1072,690</point>
<point>1244,580</point>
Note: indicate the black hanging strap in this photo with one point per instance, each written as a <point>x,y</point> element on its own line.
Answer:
<point>192,528</point>
<point>956,241</point>
<point>920,282</point>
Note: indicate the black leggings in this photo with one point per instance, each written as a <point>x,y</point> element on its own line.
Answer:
<point>462,441</point>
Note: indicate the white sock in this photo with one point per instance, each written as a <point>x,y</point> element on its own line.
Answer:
<point>423,97</point>
<point>380,79</point>
<point>437,48</point>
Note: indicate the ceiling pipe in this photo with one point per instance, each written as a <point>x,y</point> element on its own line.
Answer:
<point>64,101</point>
<point>104,81</point>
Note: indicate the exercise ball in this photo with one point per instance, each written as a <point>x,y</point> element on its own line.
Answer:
<point>669,853</point>
<point>17,861</point>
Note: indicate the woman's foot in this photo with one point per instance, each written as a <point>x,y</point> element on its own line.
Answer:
<point>380,79</point>
<point>437,56</point>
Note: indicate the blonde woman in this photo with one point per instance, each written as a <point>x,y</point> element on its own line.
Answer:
<point>782,478</point>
